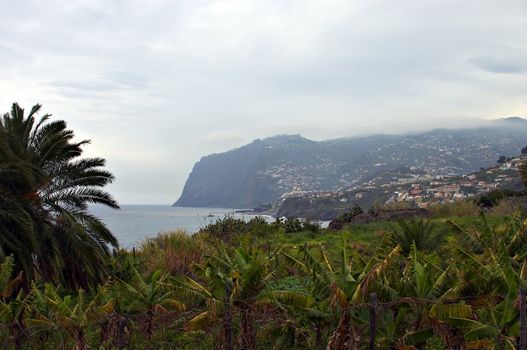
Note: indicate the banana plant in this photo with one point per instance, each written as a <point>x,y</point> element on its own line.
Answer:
<point>150,296</point>
<point>496,320</point>
<point>12,306</point>
<point>495,262</point>
<point>304,314</point>
<point>426,292</point>
<point>231,279</point>
<point>346,286</point>
<point>69,314</point>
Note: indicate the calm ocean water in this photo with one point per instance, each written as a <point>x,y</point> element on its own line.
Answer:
<point>134,223</point>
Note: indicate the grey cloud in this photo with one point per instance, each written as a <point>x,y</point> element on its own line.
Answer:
<point>199,76</point>
<point>500,66</point>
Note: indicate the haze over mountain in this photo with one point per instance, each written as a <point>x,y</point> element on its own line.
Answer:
<point>268,169</point>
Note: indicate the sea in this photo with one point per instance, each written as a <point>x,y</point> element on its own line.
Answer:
<point>132,224</point>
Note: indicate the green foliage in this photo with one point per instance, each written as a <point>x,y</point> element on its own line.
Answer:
<point>292,225</point>
<point>45,188</point>
<point>494,197</point>
<point>232,230</point>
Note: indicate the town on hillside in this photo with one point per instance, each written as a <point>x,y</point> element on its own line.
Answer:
<point>408,185</point>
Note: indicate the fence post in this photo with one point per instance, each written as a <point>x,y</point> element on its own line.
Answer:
<point>373,319</point>
<point>523,325</point>
<point>227,320</point>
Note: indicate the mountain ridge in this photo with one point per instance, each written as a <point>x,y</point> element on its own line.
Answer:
<point>266,170</point>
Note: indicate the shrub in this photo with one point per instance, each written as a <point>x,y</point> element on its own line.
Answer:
<point>258,226</point>
<point>292,225</point>
<point>506,207</point>
<point>494,197</point>
<point>231,230</point>
<point>312,226</point>
<point>349,215</point>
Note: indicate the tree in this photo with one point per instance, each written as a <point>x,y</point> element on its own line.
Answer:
<point>44,191</point>
<point>502,159</point>
<point>524,150</point>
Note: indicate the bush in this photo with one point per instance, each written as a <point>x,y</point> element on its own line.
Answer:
<point>493,198</point>
<point>230,229</point>
<point>349,215</point>
<point>506,207</point>
<point>312,226</point>
<point>258,226</point>
<point>292,225</point>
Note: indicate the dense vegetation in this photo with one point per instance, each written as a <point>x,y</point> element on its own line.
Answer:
<point>449,281</point>
<point>439,283</point>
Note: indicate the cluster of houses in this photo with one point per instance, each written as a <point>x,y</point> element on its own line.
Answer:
<point>412,185</point>
<point>444,189</point>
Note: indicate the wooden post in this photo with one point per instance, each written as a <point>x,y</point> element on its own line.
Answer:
<point>133,253</point>
<point>227,319</point>
<point>373,319</point>
<point>523,325</point>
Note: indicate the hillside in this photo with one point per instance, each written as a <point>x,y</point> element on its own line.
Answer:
<point>272,169</point>
<point>418,189</point>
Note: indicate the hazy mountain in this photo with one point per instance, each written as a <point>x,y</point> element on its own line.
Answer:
<point>267,169</point>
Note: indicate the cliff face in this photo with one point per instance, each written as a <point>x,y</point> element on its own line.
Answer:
<point>267,169</point>
<point>241,178</point>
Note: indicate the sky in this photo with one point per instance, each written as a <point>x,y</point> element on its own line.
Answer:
<point>156,85</point>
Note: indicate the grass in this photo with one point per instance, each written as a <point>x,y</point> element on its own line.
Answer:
<point>173,251</point>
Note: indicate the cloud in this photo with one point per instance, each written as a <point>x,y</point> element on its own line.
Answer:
<point>501,65</point>
<point>192,77</point>
<point>222,138</point>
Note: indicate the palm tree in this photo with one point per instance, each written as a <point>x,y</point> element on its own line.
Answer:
<point>44,192</point>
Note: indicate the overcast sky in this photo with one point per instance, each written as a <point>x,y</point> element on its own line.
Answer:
<point>157,84</point>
